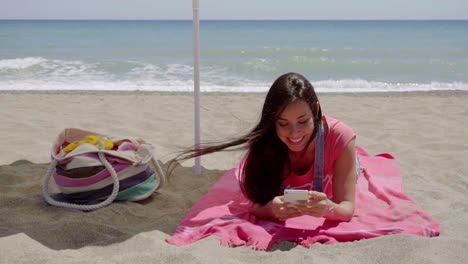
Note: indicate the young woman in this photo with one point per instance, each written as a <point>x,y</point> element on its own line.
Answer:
<point>294,147</point>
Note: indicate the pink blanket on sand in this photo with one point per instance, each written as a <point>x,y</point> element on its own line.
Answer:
<point>381,208</point>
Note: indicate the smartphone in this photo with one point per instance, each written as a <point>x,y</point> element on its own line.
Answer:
<point>291,195</point>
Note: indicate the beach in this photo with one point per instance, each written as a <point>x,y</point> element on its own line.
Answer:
<point>425,131</point>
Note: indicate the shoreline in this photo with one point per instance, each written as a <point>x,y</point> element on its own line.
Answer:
<point>177,93</point>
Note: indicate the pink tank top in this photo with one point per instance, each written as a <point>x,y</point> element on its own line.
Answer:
<point>336,139</point>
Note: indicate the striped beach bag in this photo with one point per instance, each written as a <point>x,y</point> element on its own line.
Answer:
<point>92,170</point>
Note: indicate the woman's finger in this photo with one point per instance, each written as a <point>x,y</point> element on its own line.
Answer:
<point>317,196</point>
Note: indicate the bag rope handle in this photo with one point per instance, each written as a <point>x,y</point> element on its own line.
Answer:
<point>84,207</point>
<point>160,174</point>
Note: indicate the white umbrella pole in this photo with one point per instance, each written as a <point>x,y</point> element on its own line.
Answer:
<point>196,79</point>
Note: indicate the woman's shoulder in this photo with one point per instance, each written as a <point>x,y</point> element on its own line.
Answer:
<point>338,136</point>
<point>336,126</point>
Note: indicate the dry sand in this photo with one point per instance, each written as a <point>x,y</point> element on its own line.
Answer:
<point>427,132</point>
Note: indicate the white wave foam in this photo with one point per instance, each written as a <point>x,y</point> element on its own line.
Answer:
<point>46,68</point>
<point>37,73</point>
<point>174,70</point>
<point>20,63</point>
<point>326,86</point>
<point>70,68</point>
<point>359,85</point>
<point>146,68</point>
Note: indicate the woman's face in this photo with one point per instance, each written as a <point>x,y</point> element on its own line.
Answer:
<point>295,125</point>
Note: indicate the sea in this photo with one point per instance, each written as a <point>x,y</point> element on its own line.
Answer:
<point>235,56</point>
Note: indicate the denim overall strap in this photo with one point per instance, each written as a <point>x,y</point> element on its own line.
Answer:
<point>319,159</point>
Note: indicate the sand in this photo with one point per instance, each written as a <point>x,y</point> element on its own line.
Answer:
<point>427,132</point>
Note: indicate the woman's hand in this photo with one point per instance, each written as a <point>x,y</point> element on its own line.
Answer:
<point>282,210</point>
<point>317,205</point>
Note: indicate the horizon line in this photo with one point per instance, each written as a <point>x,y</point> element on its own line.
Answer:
<point>266,20</point>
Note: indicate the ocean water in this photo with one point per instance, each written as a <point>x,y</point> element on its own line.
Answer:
<point>236,56</point>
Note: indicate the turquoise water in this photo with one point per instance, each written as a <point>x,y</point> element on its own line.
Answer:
<point>236,56</point>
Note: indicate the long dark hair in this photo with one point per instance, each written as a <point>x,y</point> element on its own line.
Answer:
<point>267,156</point>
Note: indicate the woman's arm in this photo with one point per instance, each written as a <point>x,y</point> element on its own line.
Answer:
<point>341,208</point>
<point>344,186</point>
<point>264,211</point>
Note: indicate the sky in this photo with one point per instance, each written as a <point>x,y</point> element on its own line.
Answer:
<point>236,9</point>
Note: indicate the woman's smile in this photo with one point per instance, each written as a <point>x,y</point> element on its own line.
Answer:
<point>296,141</point>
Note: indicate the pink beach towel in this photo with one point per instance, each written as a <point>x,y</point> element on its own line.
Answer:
<point>382,208</point>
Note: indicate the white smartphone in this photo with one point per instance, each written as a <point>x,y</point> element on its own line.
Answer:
<point>291,195</point>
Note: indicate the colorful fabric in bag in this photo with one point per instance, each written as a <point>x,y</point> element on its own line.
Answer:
<point>92,170</point>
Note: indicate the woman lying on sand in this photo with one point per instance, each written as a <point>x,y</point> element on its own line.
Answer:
<point>294,146</point>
